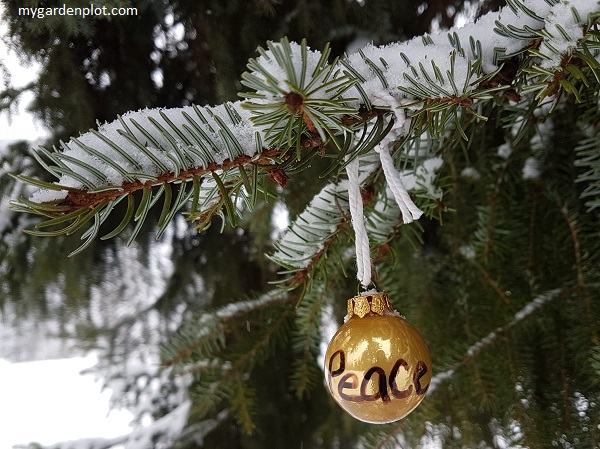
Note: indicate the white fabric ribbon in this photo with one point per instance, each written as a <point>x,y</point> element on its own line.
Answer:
<point>361,239</point>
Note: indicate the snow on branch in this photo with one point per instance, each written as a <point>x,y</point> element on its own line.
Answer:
<point>317,227</point>
<point>149,142</point>
<point>490,338</point>
<point>443,64</point>
<point>206,334</point>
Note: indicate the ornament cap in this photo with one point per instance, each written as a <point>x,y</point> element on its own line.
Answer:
<point>375,303</point>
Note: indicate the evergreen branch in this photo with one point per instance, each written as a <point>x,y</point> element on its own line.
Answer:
<point>292,100</point>
<point>317,228</point>
<point>210,338</point>
<point>394,432</point>
<point>242,405</point>
<point>299,102</point>
<point>303,106</point>
<point>588,157</point>
<point>79,200</point>
<point>9,97</point>
<point>259,350</point>
<point>229,378</point>
<point>472,352</point>
<point>306,339</point>
<point>235,379</point>
<point>571,221</point>
<point>202,336</point>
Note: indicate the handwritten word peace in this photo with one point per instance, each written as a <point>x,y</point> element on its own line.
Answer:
<point>350,381</point>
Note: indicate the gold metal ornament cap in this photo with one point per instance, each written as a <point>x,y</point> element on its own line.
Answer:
<point>370,303</point>
<point>377,365</point>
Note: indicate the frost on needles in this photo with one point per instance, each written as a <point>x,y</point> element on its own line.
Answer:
<point>299,104</point>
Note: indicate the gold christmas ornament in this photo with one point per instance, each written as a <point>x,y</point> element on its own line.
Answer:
<point>377,365</point>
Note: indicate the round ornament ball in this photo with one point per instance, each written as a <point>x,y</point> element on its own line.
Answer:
<point>377,365</point>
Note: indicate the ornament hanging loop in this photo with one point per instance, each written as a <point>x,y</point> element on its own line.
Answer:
<point>393,177</point>
<point>361,239</point>
<point>364,289</point>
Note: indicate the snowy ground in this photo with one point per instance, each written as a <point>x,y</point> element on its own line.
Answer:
<point>49,401</point>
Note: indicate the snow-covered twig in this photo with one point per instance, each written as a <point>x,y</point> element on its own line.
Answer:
<point>437,66</point>
<point>476,348</point>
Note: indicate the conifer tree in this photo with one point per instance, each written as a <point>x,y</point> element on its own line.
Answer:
<point>490,130</point>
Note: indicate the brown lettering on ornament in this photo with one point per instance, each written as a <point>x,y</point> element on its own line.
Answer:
<point>395,392</point>
<point>351,381</point>
<point>340,369</point>
<point>381,387</point>
<point>348,381</point>
<point>420,372</point>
